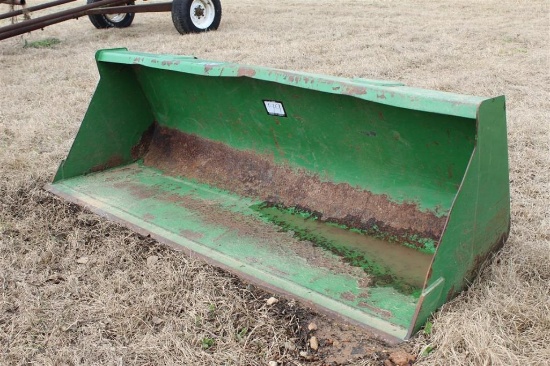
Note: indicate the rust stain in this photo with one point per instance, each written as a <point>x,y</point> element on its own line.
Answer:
<point>148,217</point>
<point>348,296</point>
<point>278,272</point>
<point>477,264</point>
<point>281,152</point>
<point>450,171</point>
<point>500,218</point>
<point>113,161</point>
<point>354,90</point>
<point>257,176</point>
<point>246,71</point>
<point>142,146</point>
<point>135,190</point>
<point>382,312</point>
<point>364,283</point>
<point>192,235</point>
<point>480,260</point>
<point>293,78</point>
<point>208,67</point>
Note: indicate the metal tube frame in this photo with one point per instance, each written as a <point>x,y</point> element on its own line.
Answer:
<point>34,8</point>
<point>100,7</point>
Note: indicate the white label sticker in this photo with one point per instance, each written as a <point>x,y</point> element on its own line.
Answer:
<point>274,108</point>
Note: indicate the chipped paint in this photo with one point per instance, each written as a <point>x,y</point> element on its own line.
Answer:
<point>246,71</point>
<point>354,90</point>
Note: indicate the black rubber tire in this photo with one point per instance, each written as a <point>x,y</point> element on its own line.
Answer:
<point>101,21</point>
<point>181,16</point>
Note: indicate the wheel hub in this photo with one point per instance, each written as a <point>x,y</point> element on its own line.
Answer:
<point>199,11</point>
<point>115,18</point>
<point>202,13</point>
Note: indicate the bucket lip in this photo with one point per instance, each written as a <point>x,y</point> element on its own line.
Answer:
<point>380,91</point>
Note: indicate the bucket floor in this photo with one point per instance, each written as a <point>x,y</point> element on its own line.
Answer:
<point>227,230</point>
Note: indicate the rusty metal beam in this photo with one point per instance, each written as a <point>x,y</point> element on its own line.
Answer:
<point>13,2</point>
<point>44,21</point>
<point>144,8</point>
<point>34,8</point>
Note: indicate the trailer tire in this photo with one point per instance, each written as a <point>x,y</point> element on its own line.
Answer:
<point>195,16</point>
<point>101,21</point>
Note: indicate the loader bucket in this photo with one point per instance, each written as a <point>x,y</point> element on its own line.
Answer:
<point>366,199</point>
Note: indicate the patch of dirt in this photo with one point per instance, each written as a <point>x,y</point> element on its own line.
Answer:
<point>339,343</point>
<point>252,175</point>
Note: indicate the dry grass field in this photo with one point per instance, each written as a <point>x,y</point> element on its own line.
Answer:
<point>77,289</point>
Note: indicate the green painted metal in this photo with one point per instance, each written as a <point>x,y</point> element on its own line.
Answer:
<point>437,155</point>
<point>479,222</point>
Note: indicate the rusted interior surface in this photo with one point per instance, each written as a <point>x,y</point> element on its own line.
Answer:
<point>114,161</point>
<point>257,176</point>
<point>262,233</point>
<point>142,146</point>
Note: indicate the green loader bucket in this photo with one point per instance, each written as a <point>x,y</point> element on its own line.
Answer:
<point>366,199</point>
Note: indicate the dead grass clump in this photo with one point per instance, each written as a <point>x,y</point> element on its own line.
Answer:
<point>503,318</point>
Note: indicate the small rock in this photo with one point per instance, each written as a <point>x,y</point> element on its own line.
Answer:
<point>271,301</point>
<point>313,343</point>
<point>312,326</point>
<point>306,356</point>
<point>82,260</point>
<point>156,320</point>
<point>401,358</point>
<point>151,260</point>
<point>290,346</point>
<point>272,363</point>
<point>336,343</point>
